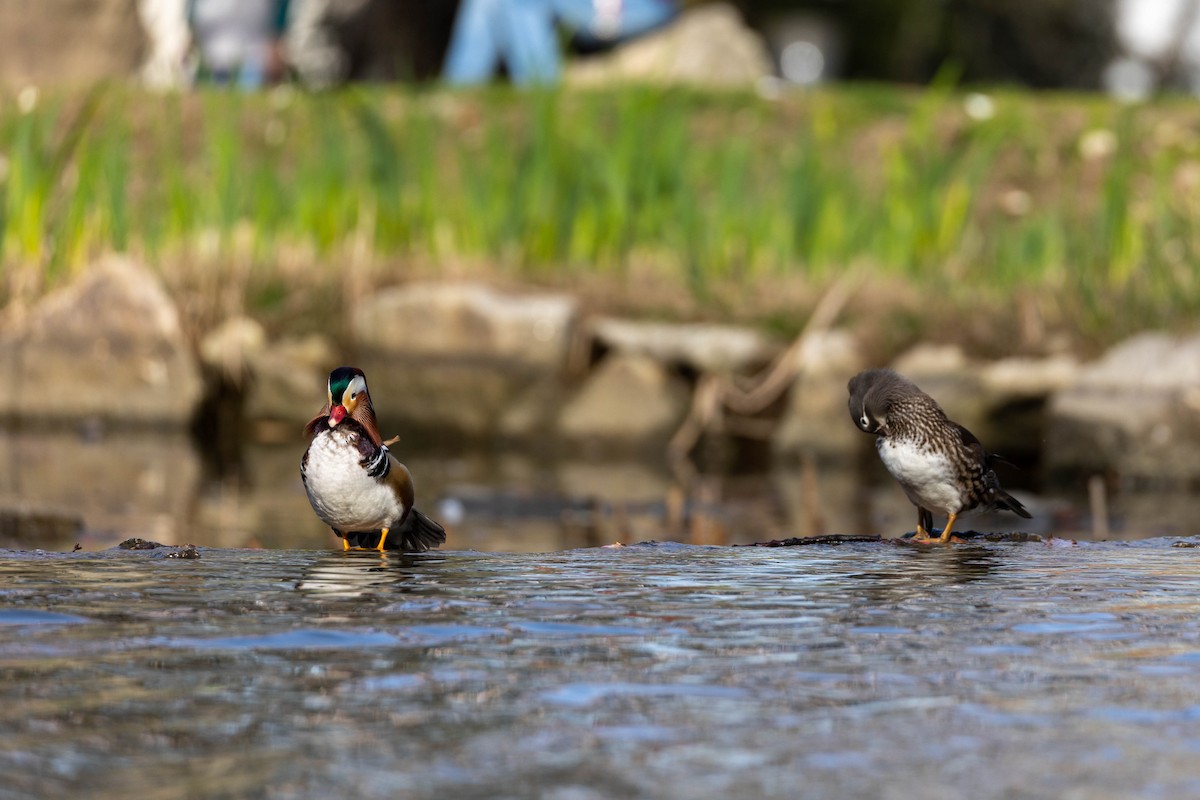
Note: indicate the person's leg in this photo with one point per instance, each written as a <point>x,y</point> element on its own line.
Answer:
<point>474,49</point>
<point>530,41</point>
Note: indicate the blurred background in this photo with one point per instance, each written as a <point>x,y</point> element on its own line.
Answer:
<point>608,264</point>
<point>1130,47</point>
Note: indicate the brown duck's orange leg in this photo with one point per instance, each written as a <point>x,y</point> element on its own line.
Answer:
<point>945,537</point>
<point>345,543</point>
<point>382,538</point>
<point>922,534</point>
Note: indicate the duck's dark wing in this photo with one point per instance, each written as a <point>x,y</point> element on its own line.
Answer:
<point>997,497</point>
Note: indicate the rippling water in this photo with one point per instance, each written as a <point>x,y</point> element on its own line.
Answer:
<point>664,671</point>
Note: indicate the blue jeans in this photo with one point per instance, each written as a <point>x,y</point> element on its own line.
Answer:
<point>523,34</point>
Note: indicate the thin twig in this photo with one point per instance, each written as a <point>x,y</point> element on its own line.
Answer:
<point>716,393</point>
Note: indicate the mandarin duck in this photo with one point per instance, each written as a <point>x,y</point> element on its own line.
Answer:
<point>940,464</point>
<point>354,483</point>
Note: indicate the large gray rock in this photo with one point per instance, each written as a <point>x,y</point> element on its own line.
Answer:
<point>467,321</point>
<point>108,347</point>
<point>1015,378</point>
<point>815,420</point>
<point>289,379</point>
<point>1135,412</point>
<point>701,346</point>
<point>281,381</point>
<point>456,356</point>
<point>707,46</point>
<point>627,401</point>
<point>421,401</point>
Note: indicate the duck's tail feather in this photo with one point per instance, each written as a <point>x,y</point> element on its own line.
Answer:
<point>1007,501</point>
<point>416,534</point>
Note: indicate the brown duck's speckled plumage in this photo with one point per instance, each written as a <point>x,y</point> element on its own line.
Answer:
<point>940,465</point>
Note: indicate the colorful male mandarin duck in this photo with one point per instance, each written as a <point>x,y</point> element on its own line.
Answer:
<point>354,483</point>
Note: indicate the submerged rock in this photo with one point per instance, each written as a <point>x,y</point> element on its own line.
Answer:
<point>139,544</point>
<point>108,347</point>
<point>186,551</point>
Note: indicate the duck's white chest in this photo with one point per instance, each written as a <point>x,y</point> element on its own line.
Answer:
<point>344,496</point>
<point>927,476</point>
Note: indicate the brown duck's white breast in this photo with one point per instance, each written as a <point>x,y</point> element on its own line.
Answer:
<point>927,476</point>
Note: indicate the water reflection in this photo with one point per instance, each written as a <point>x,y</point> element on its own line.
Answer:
<point>154,485</point>
<point>920,569</point>
<point>343,575</point>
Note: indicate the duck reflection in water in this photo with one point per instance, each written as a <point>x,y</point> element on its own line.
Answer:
<point>923,570</point>
<point>355,575</point>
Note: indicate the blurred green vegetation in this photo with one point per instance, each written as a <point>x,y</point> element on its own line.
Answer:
<point>974,201</point>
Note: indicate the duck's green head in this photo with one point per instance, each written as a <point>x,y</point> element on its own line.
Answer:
<point>347,390</point>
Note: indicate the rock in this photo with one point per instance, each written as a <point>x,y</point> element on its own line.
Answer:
<point>288,379</point>
<point>422,400</point>
<point>229,349</point>
<point>1013,378</point>
<point>109,347</point>
<point>454,356</point>
<point>815,419</point>
<point>280,381</point>
<point>628,400</point>
<point>1135,412</point>
<point>703,347</point>
<point>707,46</point>
<point>55,42</point>
<point>468,321</point>
<point>529,413</point>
